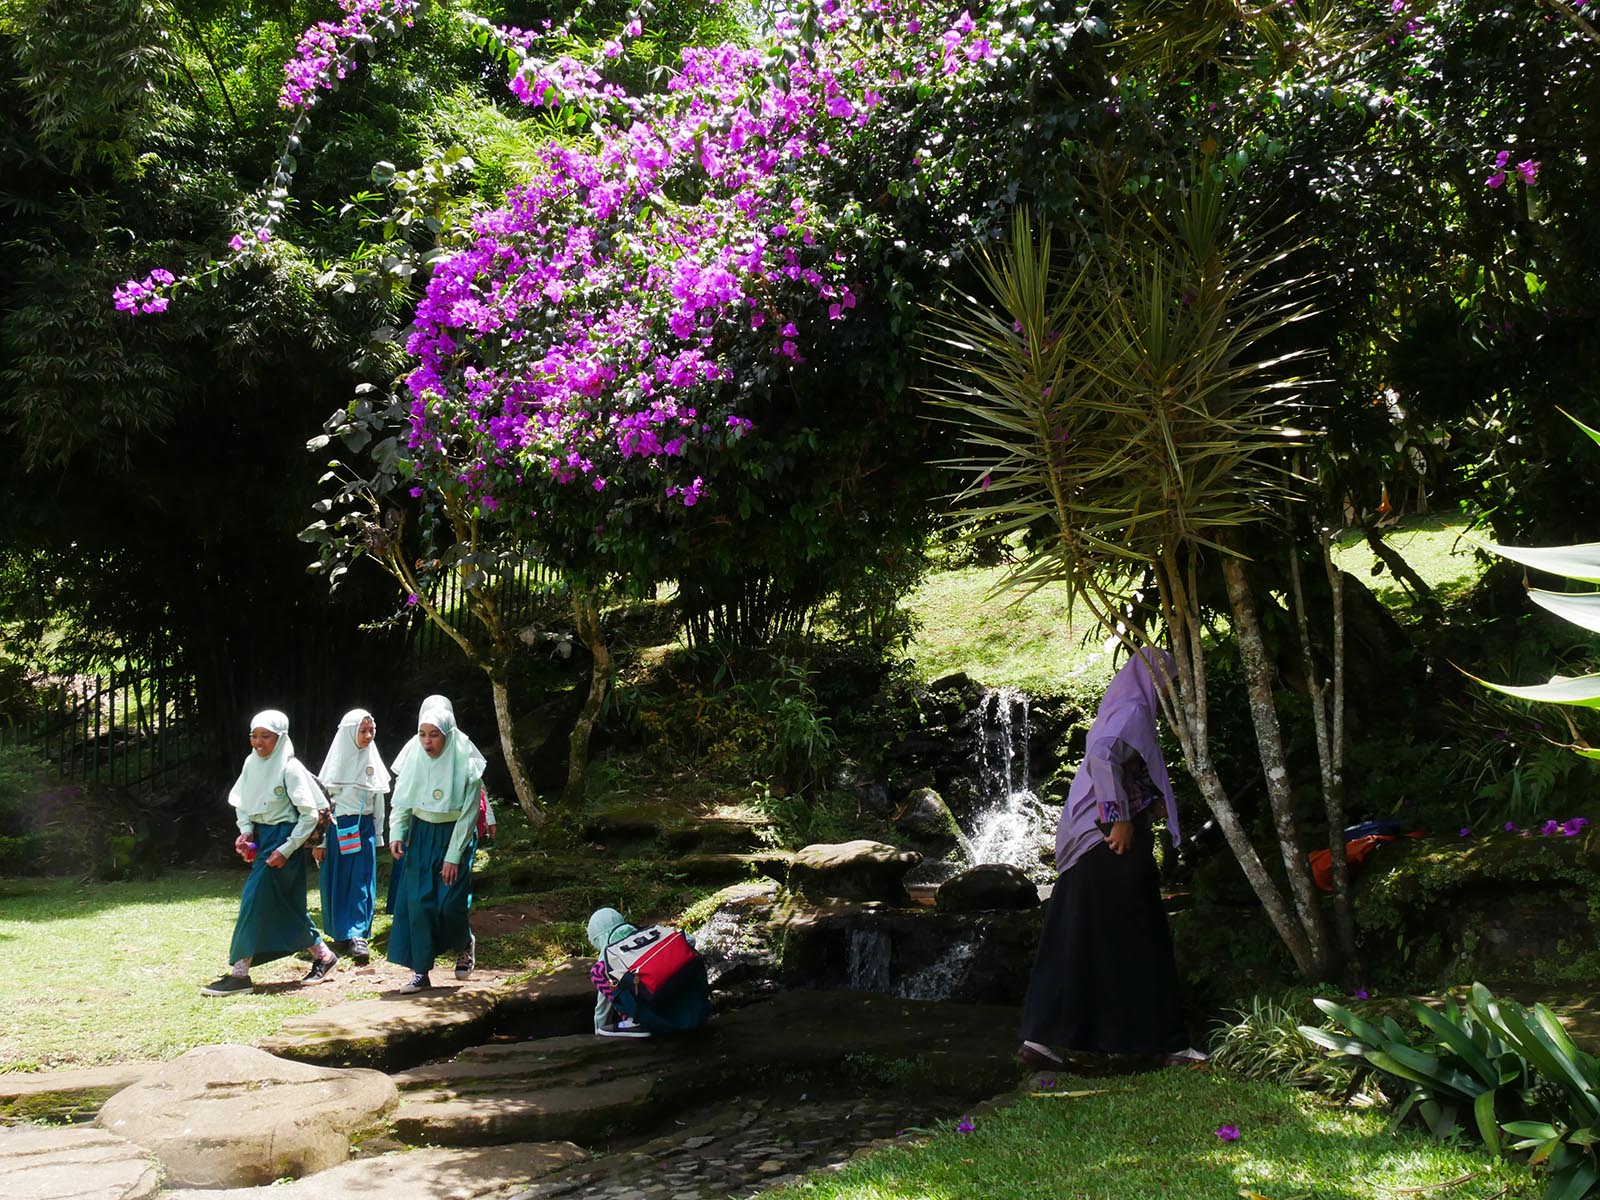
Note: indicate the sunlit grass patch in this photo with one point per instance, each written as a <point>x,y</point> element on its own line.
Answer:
<point>95,973</point>
<point>1003,639</point>
<point>1150,1135</point>
<point>1432,546</point>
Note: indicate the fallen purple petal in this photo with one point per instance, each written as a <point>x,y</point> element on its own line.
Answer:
<point>1228,1133</point>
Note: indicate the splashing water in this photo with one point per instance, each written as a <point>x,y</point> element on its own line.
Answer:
<point>940,980</point>
<point>1009,824</point>
<point>869,960</point>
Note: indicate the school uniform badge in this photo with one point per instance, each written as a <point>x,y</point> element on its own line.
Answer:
<point>438,793</point>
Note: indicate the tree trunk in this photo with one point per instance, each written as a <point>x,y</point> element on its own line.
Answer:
<point>527,797</point>
<point>1327,717</point>
<point>1269,741</point>
<point>1188,712</point>
<point>586,609</point>
<point>1289,930</point>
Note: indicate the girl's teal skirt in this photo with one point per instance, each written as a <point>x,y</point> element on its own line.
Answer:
<point>349,882</point>
<point>273,921</point>
<point>430,919</point>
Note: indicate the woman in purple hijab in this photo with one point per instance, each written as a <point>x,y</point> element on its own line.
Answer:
<point>1104,979</point>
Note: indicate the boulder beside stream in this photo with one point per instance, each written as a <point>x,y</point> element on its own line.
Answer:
<point>858,870</point>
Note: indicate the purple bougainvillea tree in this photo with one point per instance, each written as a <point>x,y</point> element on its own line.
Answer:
<point>576,366</point>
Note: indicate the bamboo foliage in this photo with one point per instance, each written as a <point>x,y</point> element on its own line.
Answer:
<point>1124,399</point>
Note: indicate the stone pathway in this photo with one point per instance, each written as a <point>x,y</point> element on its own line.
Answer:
<point>742,1149</point>
<point>768,1092</point>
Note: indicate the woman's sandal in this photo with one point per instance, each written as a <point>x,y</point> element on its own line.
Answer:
<point>1034,1056</point>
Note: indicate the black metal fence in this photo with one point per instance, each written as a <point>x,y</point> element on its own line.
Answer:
<point>134,725</point>
<point>130,726</point>
<point>519,598</point>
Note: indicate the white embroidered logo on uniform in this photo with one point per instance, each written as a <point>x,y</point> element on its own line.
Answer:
<point>369,770</point>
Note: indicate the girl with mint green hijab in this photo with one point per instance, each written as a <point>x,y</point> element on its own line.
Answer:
<point>357,781</point>
<point>685,1006</point>
<point>276,803</point>
<point>433,835</point>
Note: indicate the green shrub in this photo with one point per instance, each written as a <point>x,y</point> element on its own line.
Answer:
<point>1492,1068</point>
<point>1264,1041</point>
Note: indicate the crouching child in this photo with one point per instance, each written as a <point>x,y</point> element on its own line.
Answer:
<point>646,981</point>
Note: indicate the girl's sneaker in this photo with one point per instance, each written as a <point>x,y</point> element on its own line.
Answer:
<point>229,985</point>
<point>467,960</point>
<point>417,983</point>
<point>360,952</point>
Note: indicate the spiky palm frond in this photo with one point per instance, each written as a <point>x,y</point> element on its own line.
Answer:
<point>1125,400</point>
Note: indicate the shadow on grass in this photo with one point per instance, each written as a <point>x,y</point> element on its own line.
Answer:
<point>50,899</point>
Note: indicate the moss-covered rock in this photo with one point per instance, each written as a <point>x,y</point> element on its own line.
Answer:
<point>1507,906</point>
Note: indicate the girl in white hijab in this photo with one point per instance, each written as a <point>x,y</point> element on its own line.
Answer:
<point>433,835</point>
<point>356,779</point>
<point>277,803</point>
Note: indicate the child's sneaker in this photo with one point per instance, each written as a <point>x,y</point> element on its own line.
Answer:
<point>360,952</point>
<point>229,985</point>
<point>625,1028</point>
<point>321,968</point>
<point>417,983</point>
<point>467,959</point>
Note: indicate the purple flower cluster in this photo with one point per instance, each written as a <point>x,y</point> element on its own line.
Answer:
<point>1568,828</point>
<point>147,295</point>
<point>588,329</point>
<point>1528,169</point>
<point>323,55</point>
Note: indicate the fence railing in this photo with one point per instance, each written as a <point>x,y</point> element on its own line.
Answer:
<point>519,598</point>
<point>128,726</point>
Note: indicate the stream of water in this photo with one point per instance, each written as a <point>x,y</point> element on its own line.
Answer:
<point>1009,824</point>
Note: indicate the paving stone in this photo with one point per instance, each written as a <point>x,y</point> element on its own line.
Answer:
<point>48,1163</point>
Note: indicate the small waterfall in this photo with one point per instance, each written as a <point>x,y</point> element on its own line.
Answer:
<point>869,960</point>
<point>942,979</point>
<point>1009,824</point>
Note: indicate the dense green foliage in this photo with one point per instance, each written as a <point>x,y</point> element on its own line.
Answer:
<point>1512,1076</point>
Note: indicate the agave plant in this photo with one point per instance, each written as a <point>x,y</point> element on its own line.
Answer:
<point>1582,564</point>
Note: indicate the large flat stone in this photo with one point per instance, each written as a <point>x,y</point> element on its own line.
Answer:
<point>64,1095</point>
<point>587,1089</point>
<point>393,1032</point>
<point>544,1005</point>
<point>436,1173</point>
<point>78,1163</point>
<point>234,1116</point>
<point>387,1032</point>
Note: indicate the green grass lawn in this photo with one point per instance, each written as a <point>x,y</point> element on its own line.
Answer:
<point>1037,644</point>
<point>1433,547</point>
<point>111,972</point>
<point>1000,640</point>
<point>1153,1135</point>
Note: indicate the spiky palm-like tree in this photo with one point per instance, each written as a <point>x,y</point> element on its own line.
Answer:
<point>1127,404</point>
